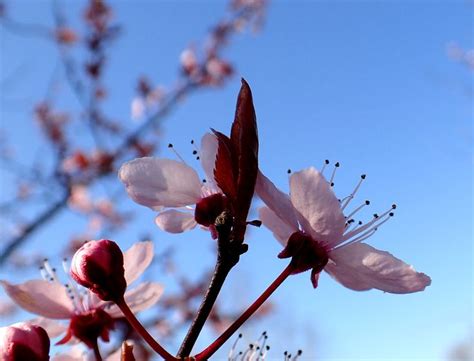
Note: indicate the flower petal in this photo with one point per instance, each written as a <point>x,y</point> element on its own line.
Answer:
<point>156,183</point>
<point>136,260</point>
<point>47,299</point>
<point>319,210</point>
<point>140,298</point>
<point>361,267</point>
<point>209,145</point>
<point>53,328</point>
<point>277,201</point>
<point>281,230</point>
<point>173,221</point>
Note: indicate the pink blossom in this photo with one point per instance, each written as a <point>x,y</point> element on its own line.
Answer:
<point>313,212</point>
<point>172,187</point>
<point>23,341</point>
<point>52,300</point>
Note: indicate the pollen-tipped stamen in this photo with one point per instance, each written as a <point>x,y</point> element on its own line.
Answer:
<point>351,196</point>
<point>171,146</point>
<point>366,203</point>
<point>326,162</point>
<point>331,181</point>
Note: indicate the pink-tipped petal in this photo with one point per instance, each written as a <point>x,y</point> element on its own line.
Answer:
<point>318,208</point>
<point>209,145</point>
<point>361,267</point>
<point>140,298</point>
<point>157,183</point>
<point>136,260</point>
<point>277,201</point>
<point>281,230</point>
<point>47,299</point>
<point>173,221</point>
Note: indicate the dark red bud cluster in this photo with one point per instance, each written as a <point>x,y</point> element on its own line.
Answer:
<point>89,326</point>
<point>209,208</point>
<point>306,254</point>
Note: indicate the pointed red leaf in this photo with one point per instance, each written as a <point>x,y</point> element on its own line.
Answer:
<point>224,169</point>
<point>244,139</point>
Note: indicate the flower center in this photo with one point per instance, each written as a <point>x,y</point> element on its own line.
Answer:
<point>306,253</point>
<point>209,208</point>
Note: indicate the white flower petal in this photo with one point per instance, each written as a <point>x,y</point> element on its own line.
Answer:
<point>157,183</point>
<point>173,221</point>
<point>47,299</point>
<point>319,210</point>
<point>53,328</point>
<point>361,267</point>
<point>140,298</point>
<point>276,200</point>
<point>208,154</point>
<point>136,259</point>
<point>281,230</point>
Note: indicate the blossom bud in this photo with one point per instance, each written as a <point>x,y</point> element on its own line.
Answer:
<point>98,266</point>
<point>22,341</point>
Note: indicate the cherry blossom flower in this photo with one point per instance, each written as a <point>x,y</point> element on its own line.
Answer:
<point>173,188</point>
<point>88,316</point>
<point>312,218</point>
<point>230,163</point>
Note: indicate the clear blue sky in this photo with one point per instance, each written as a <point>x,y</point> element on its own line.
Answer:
<point>368,84</point>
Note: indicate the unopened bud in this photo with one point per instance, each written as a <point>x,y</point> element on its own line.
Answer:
<point>23,341</point>
<point>98,266</point>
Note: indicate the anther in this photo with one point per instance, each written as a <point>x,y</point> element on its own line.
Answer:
<point>195,152</point>
<point>367,202</point>
<point>192,141</point>
<point>363,176</point>
<point>170,145</point>
<point>394,206</point>
<point>391,214</point>
<point>288,171</point>
<point>326,162</point>
<point>376,215</point>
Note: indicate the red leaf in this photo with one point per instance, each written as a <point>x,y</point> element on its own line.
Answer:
<point>224,170</point>
<point>244,139</point>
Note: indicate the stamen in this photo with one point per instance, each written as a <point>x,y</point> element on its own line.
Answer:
<point>50,271</point>
<point>366,203</point>
<point>375,222</point>
<point>231,351</point>
<point>298,354</point>
<point>195,150</point>
<point>326,162</point>
<point>353,193</point>
<point>44,274</point>
<point>333,174</point>
<point>170,146</point>
<point>267,348</point>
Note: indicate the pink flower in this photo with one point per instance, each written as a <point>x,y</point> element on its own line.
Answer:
<point>173,187</point>
<point>23,341</point>
<point>98,266</point>
<point>311,221</point>
<point>49,298</point>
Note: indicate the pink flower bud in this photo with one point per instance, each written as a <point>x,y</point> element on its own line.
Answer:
<point>98,266</point>
<point>22,341</point>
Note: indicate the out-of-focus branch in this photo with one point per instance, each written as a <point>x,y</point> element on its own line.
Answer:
<point>208,69</point>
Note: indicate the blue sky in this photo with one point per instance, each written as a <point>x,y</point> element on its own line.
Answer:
<point>367,84</point>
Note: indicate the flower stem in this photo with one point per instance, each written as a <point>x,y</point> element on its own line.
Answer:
<point>228,254</point>
<point>143,332</point>
<point>209,351</point>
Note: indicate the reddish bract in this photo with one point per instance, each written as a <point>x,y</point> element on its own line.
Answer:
<point>237,160</point>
